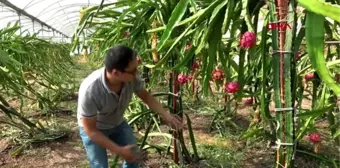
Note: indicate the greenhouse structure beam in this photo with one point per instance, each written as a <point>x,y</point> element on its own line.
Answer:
<point>20,11</point>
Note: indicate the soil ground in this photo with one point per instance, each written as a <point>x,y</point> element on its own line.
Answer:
<point>69,152</point>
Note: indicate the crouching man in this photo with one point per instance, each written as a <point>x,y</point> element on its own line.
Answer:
<point>104,96</point>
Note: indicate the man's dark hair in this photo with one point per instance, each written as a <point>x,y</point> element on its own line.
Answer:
<point>119,57</point>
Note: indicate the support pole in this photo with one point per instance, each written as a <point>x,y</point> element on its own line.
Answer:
<point>33,25</point>
<point>19,21</point>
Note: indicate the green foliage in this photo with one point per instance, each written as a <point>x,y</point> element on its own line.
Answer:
<point>33,71</point>
<point>213,32</point>
<point>220,156</point>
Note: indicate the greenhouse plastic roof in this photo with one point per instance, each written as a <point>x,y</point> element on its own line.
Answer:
<point>60,15</point>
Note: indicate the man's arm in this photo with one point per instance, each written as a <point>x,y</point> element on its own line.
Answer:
<point>154,105</point>
<point>100,139</point>
<point>97,137</point>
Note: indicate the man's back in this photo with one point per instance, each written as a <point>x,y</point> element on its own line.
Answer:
<point>96,99</point>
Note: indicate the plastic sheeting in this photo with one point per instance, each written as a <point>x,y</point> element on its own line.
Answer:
<point>62,15</point>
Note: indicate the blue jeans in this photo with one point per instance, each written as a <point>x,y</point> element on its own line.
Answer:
<point>122,135</point>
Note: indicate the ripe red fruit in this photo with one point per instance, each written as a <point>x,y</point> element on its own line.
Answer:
<point>189,77</point>
<point>314,137</point>
<point>195,65</point>
<point>297,57</point>
<point>249,101</point>
<point>139,60</point>
<point>217,74</point>
<point>248,40</point>
<point>181,78</point>
<point>187,47</point>
<point>231,87</point>
<point>309,77</point>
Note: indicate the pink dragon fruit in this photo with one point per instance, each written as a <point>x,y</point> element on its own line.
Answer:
<point>189,77</point>
<point>231,87</point>
<point>181,78</point>
<point>309,76</point>
<point>249,101</point>
<point>195,65</point>
<point>139,60</point>
<point>298,55</point>
<point>248,40</point>
<point>315,139</point>
<point>217,74</point>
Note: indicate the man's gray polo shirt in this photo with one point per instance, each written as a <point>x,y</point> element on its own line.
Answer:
<point>96,99</point>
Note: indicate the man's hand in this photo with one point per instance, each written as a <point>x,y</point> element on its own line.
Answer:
<point>126,153</point>
<point>174,120</point>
